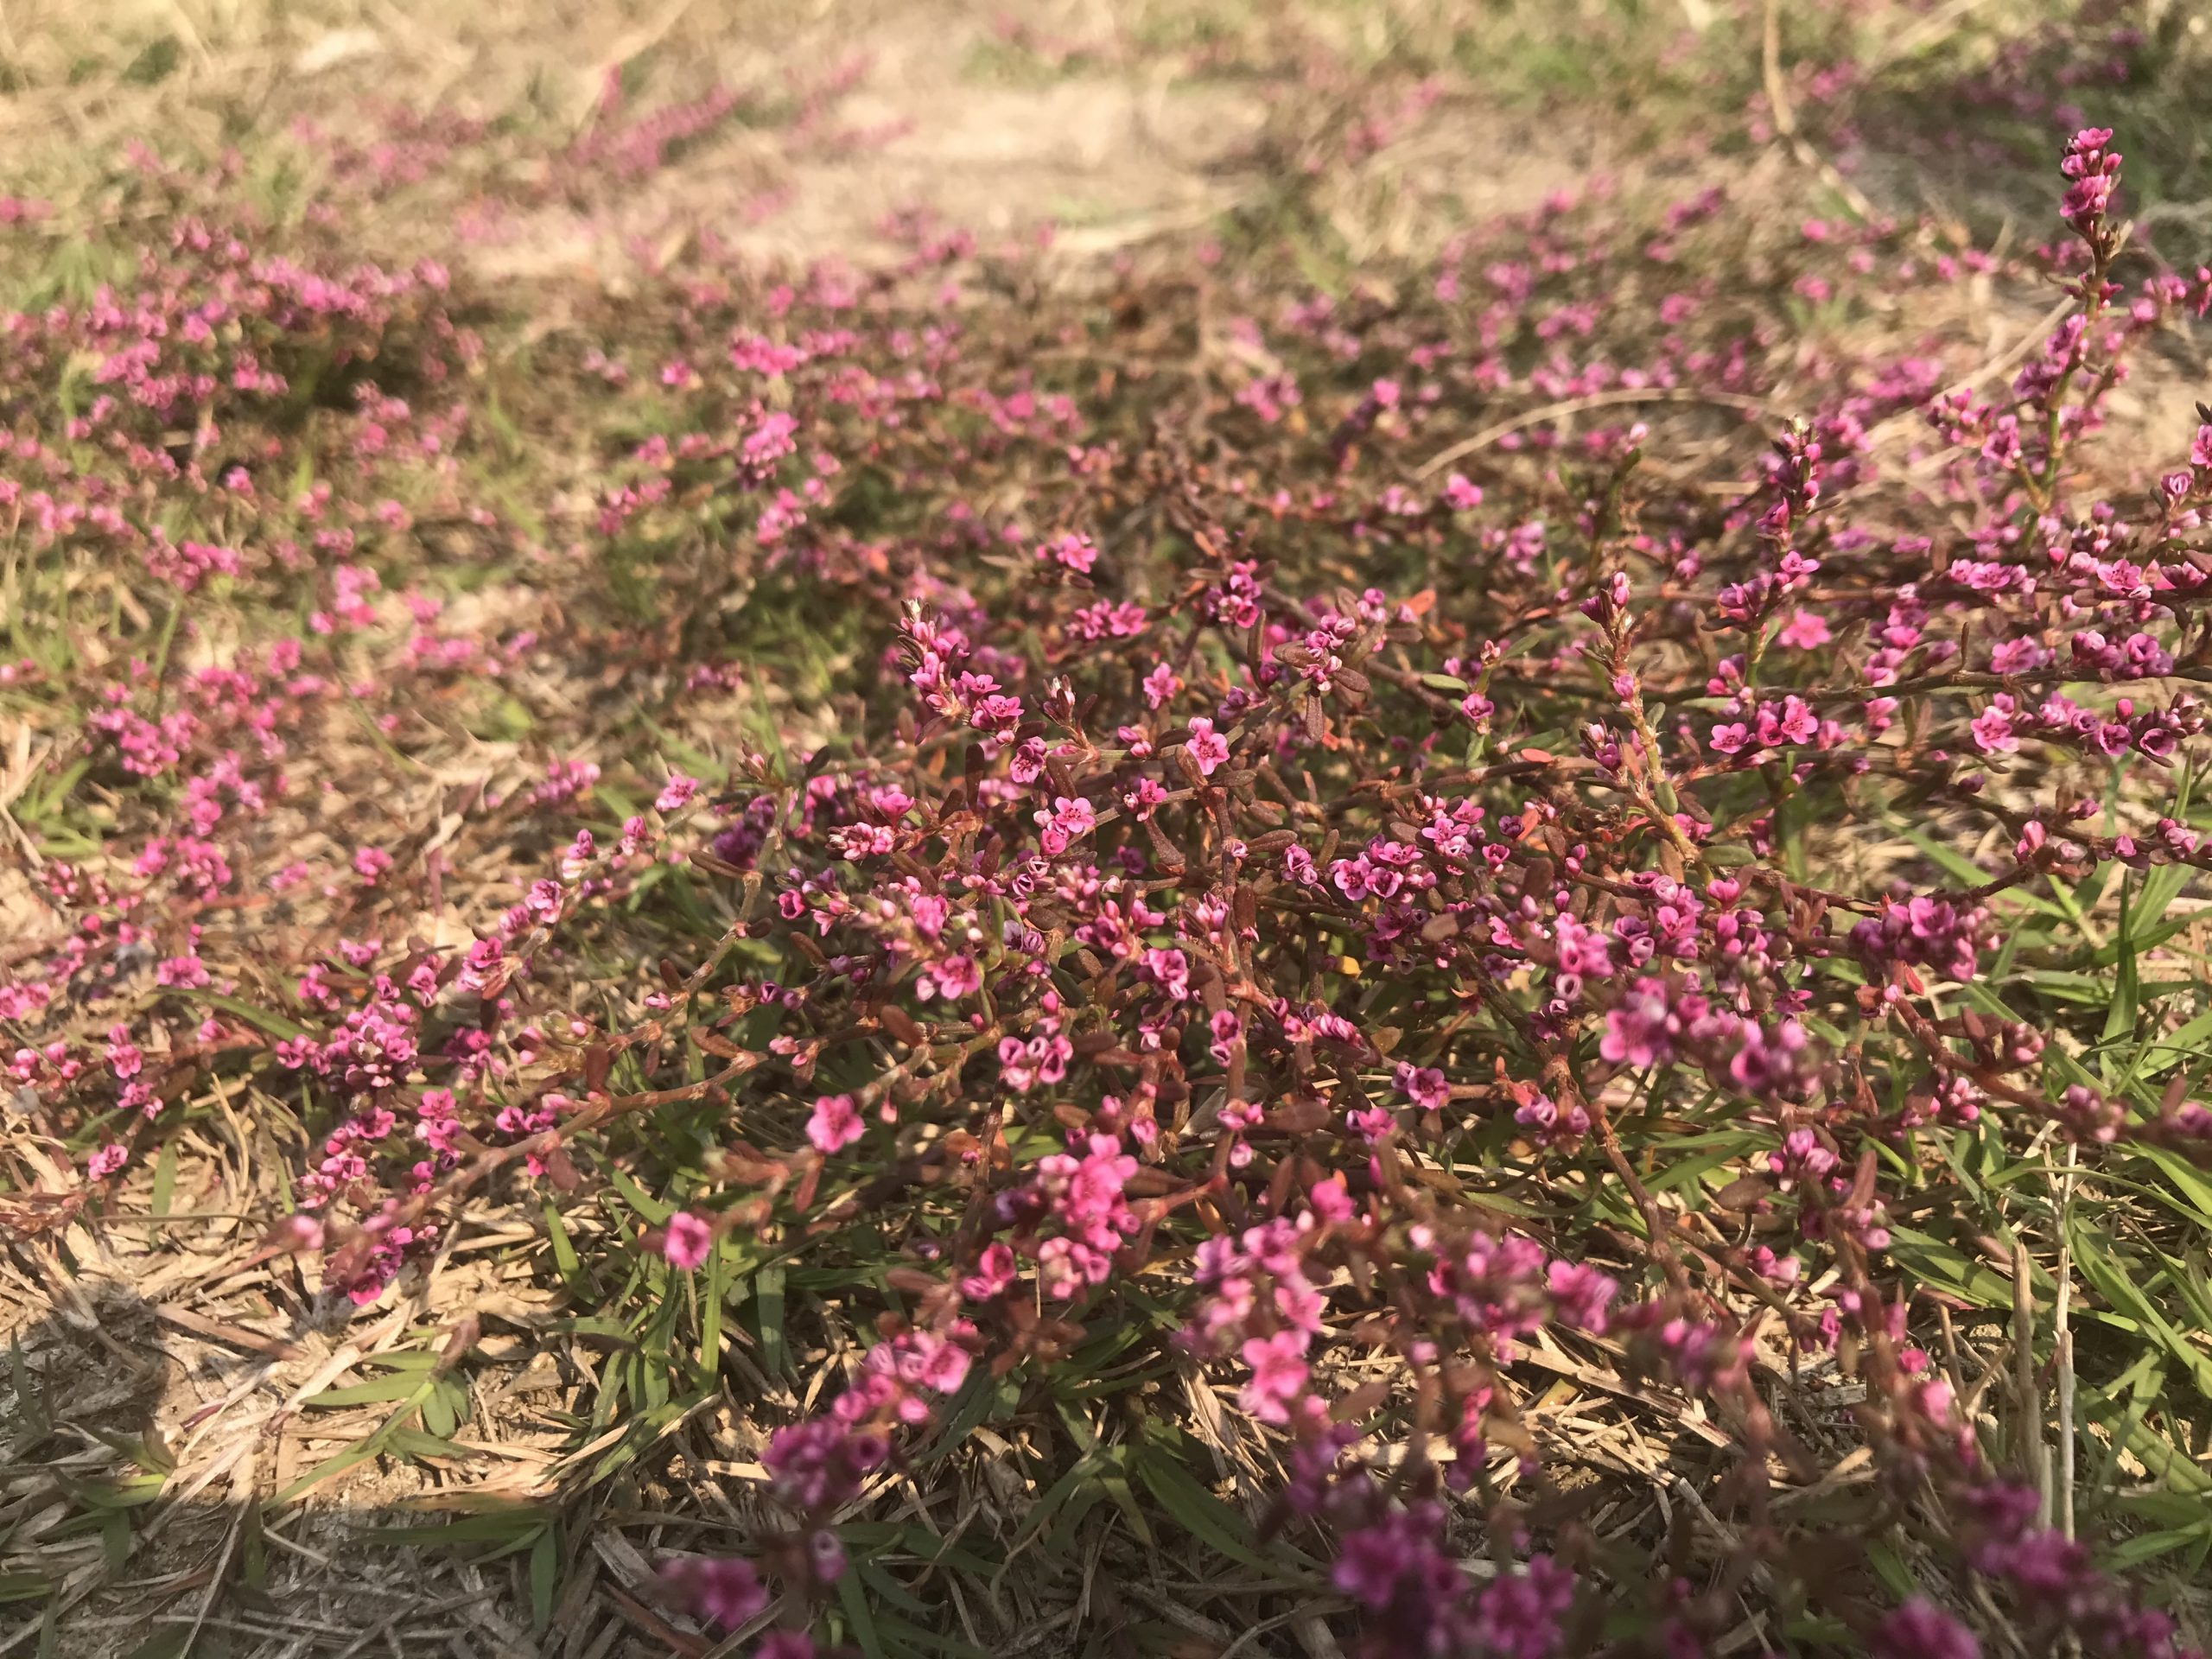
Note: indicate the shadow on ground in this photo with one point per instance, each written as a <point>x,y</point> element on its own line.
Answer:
<point>170,1485</point>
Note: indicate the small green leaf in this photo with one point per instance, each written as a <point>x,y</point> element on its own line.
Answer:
<point>164,1180</point>
<point>768,1304</point>
<point>565,1252</point>
<point>127,1493</point>
<point>710,1308</point>
<point>544,1578</point>
<point>655,1212</point>
<point>2149,1545</point>
<point>116,1540</point>
<point>438,1415</point>
<point>399,1386</point>
<point>856,1612</point>
<point>1197,1511</point>
<point>1117,1488</point>
<point>524,1523</point>
<point>275,1024</point>
<point>401,1441</point>
<point>2126,991</point>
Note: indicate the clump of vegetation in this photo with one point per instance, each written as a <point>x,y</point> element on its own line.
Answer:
<point>1254,905</point>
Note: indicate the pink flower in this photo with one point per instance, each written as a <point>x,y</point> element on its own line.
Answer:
<point>1580,1294</point>
<point>1072,551</point>
<point>1640,1028</point>
<point>108,1160</point>
<point>1518,1614</point>
<point>1278,1365</point>
<point>1332,1199</point>
<point>1424,1085</point>
<point>1920,1629</point>
<point>123,1056</point>
<point>1208,747</point>
<point>2095,170</point>
<point>725,1590</point>
<point>688,1241</point>
<point>1069,819</point>
<point>834,1123</point>
<point>994,1273</point>
<point>1805,631</point>
<point>1160,686</point>
<point>1993,731</point>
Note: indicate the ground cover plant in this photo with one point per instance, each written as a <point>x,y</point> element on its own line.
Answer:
<point>1491,953</point>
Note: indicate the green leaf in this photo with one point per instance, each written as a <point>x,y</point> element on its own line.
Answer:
<point>710,1308</point>
<point>1686,1175</point>
<point>1061,1493</point>
<point>981,1398</point>
<point>564,1251</point>
<point>2185,1044</point>
<point>899,1633</point>
<point>2149,1545</point>
<point>2192,1188</point>
<point>116,1540</point>
<point>522,1523</point>
<point>544,1578</point>
<point>149,1460</point>
<point>1197,1511</point>
<point>275,1024</point>
<point>398,1386</point>
<point>655,1212</point>
<point>1890,1568</point>
<point>127,1493</point>
<point>2127,989</point>
<point>2159,889</point>
<point>856,1612</point>
<point>768,1308</point>
<point>597,1326</point>
<point>253,1549</point>
<point>1117,1488</point>
<point>30,1395</point>
<point>1948,1268</point>
<point>402,1441</point>
<point>439,1413</point>
<point>164,1180</point>
<point>2109,1271</point>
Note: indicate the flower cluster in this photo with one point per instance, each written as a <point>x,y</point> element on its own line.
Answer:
<point>1372,999</point>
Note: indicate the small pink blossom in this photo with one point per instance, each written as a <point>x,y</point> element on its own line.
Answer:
<point>108,1160</point>
<point>834,1123</point>
<point>724,1590</point>
<point>1208,747</point>
<point>688,1241</point>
